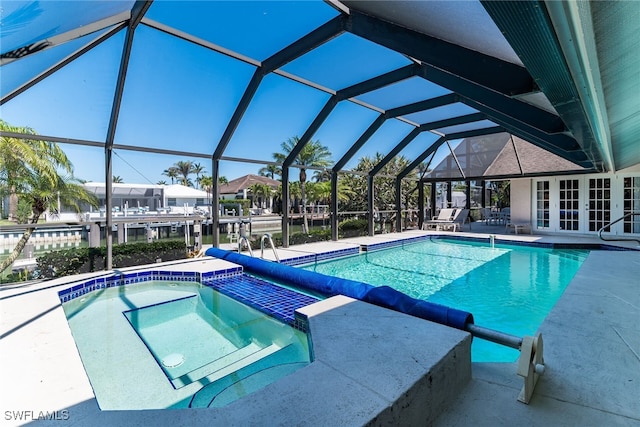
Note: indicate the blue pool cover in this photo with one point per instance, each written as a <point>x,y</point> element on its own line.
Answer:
<point>383,296</point>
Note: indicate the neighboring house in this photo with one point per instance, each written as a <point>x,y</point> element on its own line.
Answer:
<point>142,198</point>
<point>239,188</point>
<point>181,199</point>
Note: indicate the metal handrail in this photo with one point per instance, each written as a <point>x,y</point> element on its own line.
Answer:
<point>246,240</point>
<point>628,239</point>
<point>267,236</point>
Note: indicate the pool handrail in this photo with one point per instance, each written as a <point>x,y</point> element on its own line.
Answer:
<point>244,239</point>
<point>624,239</point>
<point>267,237</point>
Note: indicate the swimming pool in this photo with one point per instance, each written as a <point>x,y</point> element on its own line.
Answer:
<point>177,344</point>
<point>509,288</point>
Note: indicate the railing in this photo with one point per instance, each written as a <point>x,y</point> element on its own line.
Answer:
<point>244,239</point>
<point>619,239</point>
<point>268,238</point>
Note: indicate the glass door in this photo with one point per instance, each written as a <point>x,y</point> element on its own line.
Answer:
<point>542,204</point>
<point>599,204</point>
<point>632,204</point>
<point>569,204</point>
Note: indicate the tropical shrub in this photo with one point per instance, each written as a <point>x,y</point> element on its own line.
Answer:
<point>353,227</point>
<point>85,260</point>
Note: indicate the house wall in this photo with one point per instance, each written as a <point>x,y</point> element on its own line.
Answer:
<point>521,201</point>
<point>578,204</point>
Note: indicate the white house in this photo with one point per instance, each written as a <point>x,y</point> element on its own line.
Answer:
<point>141,198</point>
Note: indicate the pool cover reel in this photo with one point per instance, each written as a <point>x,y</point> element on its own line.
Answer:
<point>383,296</point>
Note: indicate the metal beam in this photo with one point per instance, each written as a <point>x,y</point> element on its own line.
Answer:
<point>432,148</point>
<point>286,207</point>
<point>526,113</point>
<point>241,108</point>
<point>359,143</point>
<point>427,104</point>
<point>49,71</point>
<point>378,82</point>
<point>137,12</point>
<point>474,132</point>
<point>455,159</point>
<point>59,39</point>
<point>540,50</point>
<point>334,206</point>
<point>394,152</point>
<point>484,70</point>
<point>560,144</point>
<point>215,202</point>
<point>311,130</point>
<point>370,205</point>
<point>476,77</point>
<point>310,41</point>
<point>301,46</point>
<point>454,121</point>
<point>398,196</point>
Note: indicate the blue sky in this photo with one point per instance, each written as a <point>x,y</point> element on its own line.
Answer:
<point>180,96</point>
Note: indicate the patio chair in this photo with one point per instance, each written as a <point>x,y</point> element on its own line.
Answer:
<point>444,217</point>
<point>485,215</point>
<point>461,216</point>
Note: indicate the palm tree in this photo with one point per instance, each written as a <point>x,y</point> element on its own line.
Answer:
<point>206,183</point>
<point>260,192</point>
<point>42,193</point>
<point>321,192</point>
<point>117,179</point>
<point>172,173</point>
<point>17,154</point>
<point>223,180</point>
<point>271,171</point>
<point>184,169</point>
<point>323,175</point>
<point>313,154</point>
<point>198,169</point>
<point>161,182</point>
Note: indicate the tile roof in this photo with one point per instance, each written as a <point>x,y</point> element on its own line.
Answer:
<point>236,185</point>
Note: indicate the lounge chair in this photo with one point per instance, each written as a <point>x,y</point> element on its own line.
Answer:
<point>444,217</point>
<point>459,218</point>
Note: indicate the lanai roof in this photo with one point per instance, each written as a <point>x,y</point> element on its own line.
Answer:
<point>396,76</point>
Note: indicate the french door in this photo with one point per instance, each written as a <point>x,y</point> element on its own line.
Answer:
<point>599,203</point>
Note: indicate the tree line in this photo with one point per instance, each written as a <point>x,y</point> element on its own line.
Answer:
<point>37,177</point>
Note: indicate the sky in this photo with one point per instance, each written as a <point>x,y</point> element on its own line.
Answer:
<point>181,96</point>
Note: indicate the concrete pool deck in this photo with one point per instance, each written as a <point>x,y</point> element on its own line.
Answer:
<point>591,340</point>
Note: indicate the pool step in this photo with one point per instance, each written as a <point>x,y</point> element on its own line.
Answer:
<point>217,395</point>
<point>227,364</point>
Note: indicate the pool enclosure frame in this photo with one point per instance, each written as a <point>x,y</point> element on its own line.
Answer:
<point>494,88</point>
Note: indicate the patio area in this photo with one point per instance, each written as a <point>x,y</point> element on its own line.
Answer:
<point>591,341</point>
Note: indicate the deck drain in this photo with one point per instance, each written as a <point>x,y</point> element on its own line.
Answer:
<point>173,360</point>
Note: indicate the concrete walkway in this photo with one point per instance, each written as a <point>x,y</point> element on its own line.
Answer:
<point>591,351</point>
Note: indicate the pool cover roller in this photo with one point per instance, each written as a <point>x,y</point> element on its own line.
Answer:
<point>328,286</point>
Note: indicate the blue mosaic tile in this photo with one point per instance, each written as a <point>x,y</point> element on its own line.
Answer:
<point>271,299</point>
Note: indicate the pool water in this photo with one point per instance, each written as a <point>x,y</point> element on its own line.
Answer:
<point>507,288</point>
<point>167,344</point>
